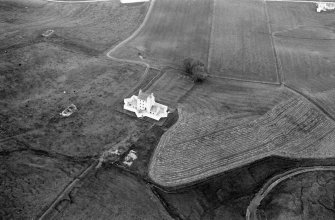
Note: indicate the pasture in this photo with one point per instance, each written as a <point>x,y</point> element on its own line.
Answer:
<point>305,43</point>
<point>173,32</point>
<point>91,26</point>
<point>217,96</point>
<point>183,157</point>
<point>241,44</point>
<point>170,87</point>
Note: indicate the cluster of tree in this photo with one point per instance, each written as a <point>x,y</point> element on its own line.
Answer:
<point>195,69</point>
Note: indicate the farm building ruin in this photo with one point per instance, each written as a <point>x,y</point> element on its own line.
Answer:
<point>144,105</point>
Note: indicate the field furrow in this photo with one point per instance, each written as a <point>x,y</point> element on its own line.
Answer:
<point>288,127</point>
<point>241,43</point>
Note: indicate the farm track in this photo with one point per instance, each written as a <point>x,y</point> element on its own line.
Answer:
<point>251,213</point>
<point>67,190</point>
<point>280,76</point>
<point>210,46</point>
<point>245,80</point>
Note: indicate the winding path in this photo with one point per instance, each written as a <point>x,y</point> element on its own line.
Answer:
<point>251,213</point>
<point>109,53</point>
<point>70,186</point>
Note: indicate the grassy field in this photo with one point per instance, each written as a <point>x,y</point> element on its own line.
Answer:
<point>36,93</point>
<point>40,76</point>
<point>171,87</point>
<point>95,26</point>
<point>221,97</point>
<point>240,43</point>
<point>291,126</point>
<point>113,194</point>
<point>304,41</point>
<point>173,32</point>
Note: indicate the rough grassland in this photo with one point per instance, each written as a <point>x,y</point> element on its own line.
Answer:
<point>30,182</point>
<point>113,194</point>
<point>240,43</point>
<point>305,196</point>
<point>196,148</point>
<point>97,26</point>
<point>36,88</point>
<point>175,30</point>
<point>40,76</point>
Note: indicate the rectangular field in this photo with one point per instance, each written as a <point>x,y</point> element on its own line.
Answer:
<point>305,43</point>
<point>241,44</point>
<point>218,96</point>
<point>174,30</point>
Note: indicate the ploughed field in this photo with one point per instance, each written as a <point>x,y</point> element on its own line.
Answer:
<point>199,146</point>
<point>231,37</point>
<point>241,44</point>
<point>225,123</point>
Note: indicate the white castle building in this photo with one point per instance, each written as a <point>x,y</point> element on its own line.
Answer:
<point>144,105</point>
<point>325,6</point>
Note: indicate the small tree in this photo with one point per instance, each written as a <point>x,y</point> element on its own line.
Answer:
<point>199,75</point>
<point>195,69</point>
<point>188,63</point>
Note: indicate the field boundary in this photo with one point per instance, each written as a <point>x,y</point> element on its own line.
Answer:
<point>280,77</point>
<point>210,46</point>
<point>245,80</point>
<point>67,190</point>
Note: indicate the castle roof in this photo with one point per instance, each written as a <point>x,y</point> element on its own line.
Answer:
<point>143,95</point>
